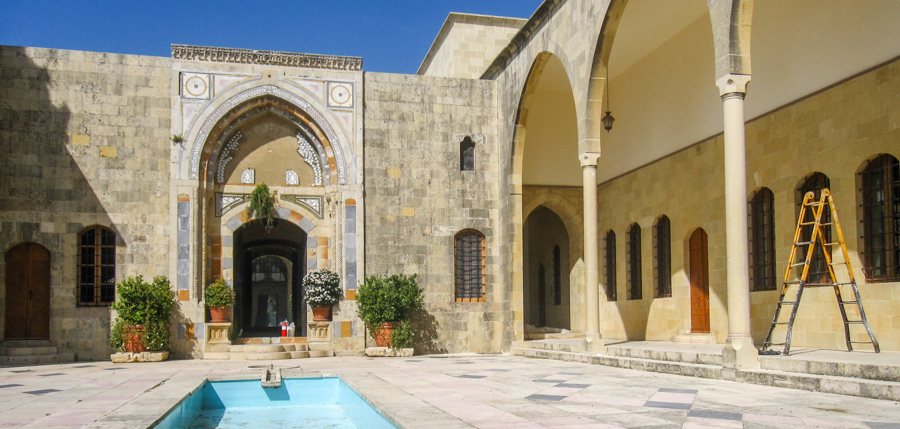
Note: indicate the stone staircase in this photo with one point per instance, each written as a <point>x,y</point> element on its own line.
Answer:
<point>266,351</point>
<point>31,352</point>
<point>863,374</point>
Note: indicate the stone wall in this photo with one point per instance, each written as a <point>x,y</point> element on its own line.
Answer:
<point>86,141</point>
<point>417,198</point>
<point>834,132</point>
<point>467,44</point>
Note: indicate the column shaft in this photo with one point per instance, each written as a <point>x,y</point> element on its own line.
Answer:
<point>593,342</point>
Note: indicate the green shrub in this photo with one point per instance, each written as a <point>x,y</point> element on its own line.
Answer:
<point>321,288</point>
<point>402,335</point>
<point>262,204</point>
<point>218,294</point>
<point>149,305</point>
<point>388,299</point>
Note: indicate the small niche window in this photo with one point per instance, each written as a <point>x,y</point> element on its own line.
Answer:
<point>557,277</point>
<point>469,270</point>
<point>611,266</point>
<point>663,250</point>
<point>467,154</point>
<point>881,219</point>
<point>96,267</point>
<point>634,262</point>
<point>762,241</point>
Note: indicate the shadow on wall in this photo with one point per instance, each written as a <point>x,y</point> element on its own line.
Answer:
<point>45,197</point>
<point>425,329</point>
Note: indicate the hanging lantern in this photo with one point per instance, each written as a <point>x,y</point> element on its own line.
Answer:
<point>607,121</point>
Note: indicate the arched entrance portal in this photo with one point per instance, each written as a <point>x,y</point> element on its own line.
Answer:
<point>699,282</point>
<point>28,292</point>
<point>546,295</point>
<point>268,277</point>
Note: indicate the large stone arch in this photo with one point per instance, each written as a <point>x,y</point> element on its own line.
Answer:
<point>209,137</point>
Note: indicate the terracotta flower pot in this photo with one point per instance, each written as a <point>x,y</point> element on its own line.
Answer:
<point>383,334</point>
<point>133,336</point>
<point>321,314</point>
<point>218,314</point>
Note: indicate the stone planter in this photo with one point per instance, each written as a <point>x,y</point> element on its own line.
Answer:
<point>133,336</point>
<point>383,334</point>
<point>218,314</point>
<point>321,314</point>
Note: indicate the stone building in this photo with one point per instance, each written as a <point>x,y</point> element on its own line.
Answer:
<point>488,173</point>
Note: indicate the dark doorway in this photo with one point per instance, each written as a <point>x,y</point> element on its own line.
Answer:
<point>546,291</point>
<point>699,282</point>
<point>28,292</point>
<point>269,270</point>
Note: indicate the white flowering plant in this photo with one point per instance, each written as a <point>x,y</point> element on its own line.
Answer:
<point>321,288</point>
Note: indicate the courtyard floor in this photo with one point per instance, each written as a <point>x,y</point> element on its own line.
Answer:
<point>485,391</point>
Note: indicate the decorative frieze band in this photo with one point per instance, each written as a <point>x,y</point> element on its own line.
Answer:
<point>313,203</point>
<point>274,58</point>
<point>226,202</point>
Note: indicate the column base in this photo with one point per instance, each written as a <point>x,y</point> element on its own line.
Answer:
<point>740,353</point>
<point>593,344</point>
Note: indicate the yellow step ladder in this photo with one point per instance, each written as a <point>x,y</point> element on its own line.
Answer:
<point>817,237</point>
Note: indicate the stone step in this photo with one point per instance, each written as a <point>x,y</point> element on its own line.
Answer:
<point>299,354</point>
<point>27,351</point>
<point>27,343</point>
<point>257,348</point>
<point>37,359</point>
<point>684,356</point>
<point>882,371</point>
<point>319,347</point>
<point>568,345</point>
<point>852,386</point>
<point>259,355</point>
<point>666,367</point>
<point>217,348</point>
<point>321,353</point>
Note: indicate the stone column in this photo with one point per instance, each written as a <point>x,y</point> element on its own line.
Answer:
<point>592,341</point>
<point>739,352</point>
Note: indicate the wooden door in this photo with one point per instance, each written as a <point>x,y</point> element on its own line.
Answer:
<point>699,282</point>
<point>28,292</point>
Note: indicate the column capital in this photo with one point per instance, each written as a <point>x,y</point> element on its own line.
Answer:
<point>589,159</point>
<point>732,83</point>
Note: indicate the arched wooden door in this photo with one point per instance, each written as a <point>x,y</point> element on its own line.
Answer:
<point>699,282</point>
<point>28,292</point>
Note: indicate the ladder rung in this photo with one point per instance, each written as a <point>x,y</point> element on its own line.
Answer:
<point>822,284</point>
<point>831,244</point>
<point>855,322</point>
<point>807,223</point>
<point>850,302</point>
<point>787,302</point>
<point>798,264</point>
<point>802,243</point>
<point>792,282</point>
<point>838,263</point>
<point>813,203</point>
<point>827,224</point>
<point>780,323</point>
<point>861,342</point>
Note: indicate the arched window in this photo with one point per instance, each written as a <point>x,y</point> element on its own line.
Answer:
<point>611,266</point>
<point>557,276</point>
<point>762,240</point>
<point>818,269</point>
<point>96,266</point>
<point>470,275</point>
<point>467,154</point>
<point>634,262</point>
<point>881,219</point>
<point>663,249</point>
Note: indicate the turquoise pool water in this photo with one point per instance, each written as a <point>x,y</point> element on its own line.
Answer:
<point>298,403</point>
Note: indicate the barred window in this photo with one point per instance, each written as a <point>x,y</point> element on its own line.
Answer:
<point>470,275</point>
<point>762,240</point>
<point>881,219</point>
<point>557,276</point>
<point>96,266</point>
<point>467,154</point>
<point>818,269</point>
<point>663,250</point>
<point>634,262</point>
<point>611,266</point>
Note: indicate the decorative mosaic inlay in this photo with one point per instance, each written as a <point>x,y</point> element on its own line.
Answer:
<point>261,91</point>
<point>227,155</point>
<point>313,203</point>
<point>291,178</point>
<point>274,58</point>
<point>305,149</point>
<point>195,85</point>
<point>340,94</point>
<point>248,177</point>
<point>226,202</point>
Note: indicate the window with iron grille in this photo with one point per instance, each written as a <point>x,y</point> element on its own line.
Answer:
<point>96,266</point>
<point>818,269</point>
<point>663,250</point>
<point>557,276</point>
<point>762,240</point>
<point>470,275</point>
<point>611,266</point>
<point>634,262</point>
<point>881,219</point>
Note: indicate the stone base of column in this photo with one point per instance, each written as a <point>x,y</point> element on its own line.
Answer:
<point>593,344</point>
<point>739,353</point>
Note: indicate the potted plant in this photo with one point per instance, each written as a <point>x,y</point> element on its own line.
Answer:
<point>262,205</point>
<point>321,290</point>
<point>143,315</point>
<point>386,303</point>
<point>218,297</point>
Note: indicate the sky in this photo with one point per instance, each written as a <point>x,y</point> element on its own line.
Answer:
<point>391,36</point>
